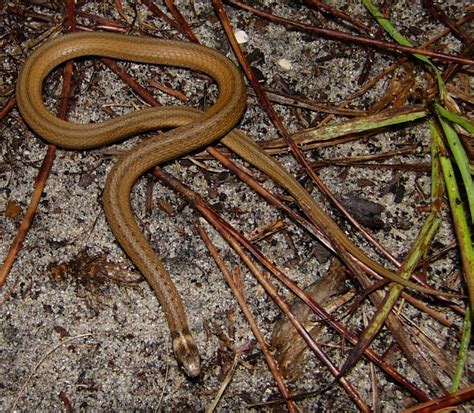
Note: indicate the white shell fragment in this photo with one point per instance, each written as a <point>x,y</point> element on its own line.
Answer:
<point>241,36</point>
<point>285,64</point>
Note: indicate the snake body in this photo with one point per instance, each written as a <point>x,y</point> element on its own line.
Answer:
<point>193,130</point>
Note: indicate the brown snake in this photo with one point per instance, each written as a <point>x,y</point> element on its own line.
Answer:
<point>193,130</point>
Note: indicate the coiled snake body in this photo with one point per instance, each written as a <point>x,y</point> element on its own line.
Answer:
<point>193,130</point>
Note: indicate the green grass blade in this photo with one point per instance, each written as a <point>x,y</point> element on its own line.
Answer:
<point>461,159</point>
<point>357,125</point>
<point>463,351</point>
<point>454,118</point>
<point>461,227</point>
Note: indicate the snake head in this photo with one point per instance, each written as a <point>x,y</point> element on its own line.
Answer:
<point>187,354</point>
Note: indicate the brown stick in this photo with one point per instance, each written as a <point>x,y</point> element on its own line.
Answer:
<point>239,295</point>
<point>45,167</point>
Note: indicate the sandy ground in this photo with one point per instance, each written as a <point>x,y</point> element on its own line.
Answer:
<point>79,324</point>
